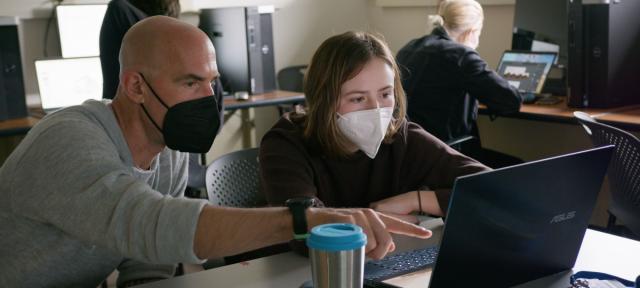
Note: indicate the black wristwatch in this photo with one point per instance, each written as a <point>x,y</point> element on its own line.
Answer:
<point>298,207</point>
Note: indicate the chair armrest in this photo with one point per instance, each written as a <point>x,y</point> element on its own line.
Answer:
<point>460,140</point>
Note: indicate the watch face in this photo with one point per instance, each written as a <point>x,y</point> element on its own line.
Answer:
<point>301,201</point>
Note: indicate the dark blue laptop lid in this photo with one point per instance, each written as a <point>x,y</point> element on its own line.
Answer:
<point>519,223</point>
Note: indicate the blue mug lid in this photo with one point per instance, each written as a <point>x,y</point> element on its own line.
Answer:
<point>336,237</point>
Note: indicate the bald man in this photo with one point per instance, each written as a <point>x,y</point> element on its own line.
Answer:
<point>98,187</point>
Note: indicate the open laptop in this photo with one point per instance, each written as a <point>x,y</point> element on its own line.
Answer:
<point>526,71</point>
<point>68,82</point>
<point>512,225</point>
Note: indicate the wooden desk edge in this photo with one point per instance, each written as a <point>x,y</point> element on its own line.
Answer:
<point>20,126</point>
<point>626,117</point>
<point>266,99</point>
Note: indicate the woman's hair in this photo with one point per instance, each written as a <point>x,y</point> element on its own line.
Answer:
<point>169,8</point>
<point>337,60</point>
<point>458,16</point>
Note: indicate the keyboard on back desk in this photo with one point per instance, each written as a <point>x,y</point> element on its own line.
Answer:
<point>400,264</point>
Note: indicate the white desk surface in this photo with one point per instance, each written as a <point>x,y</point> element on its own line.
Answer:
<point>599,252</point>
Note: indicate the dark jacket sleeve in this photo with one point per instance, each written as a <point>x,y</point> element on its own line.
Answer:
<point>285,168</point>
<point>110,39</point>
<point>488,87</point>
<point>286,172</point>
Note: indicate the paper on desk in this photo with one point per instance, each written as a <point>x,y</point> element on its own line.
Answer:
<point>416,279</point>
<point>597,283</point>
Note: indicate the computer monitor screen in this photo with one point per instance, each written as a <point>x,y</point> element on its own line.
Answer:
<point>67,82</point>
<point>79,29</point>
<point>526,71</point>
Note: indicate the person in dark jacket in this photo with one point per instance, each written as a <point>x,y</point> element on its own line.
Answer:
<point>444,77</point>
<point>120,16</point>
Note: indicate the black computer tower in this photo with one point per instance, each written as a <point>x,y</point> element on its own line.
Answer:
<point>576,77</point>
<point>12,96</point>
<point>243,39</point>
<point>604,40</point>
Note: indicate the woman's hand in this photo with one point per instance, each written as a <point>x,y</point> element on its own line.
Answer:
<point>402,204</point>
<point>408,218</point>
<point>408,202</point>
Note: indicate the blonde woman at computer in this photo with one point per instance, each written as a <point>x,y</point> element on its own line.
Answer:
<point>444,77</point>
<point>352,146</point>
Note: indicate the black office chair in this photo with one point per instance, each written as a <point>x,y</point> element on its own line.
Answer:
<point>470,145</point>
<point>291,79</point>
<point>456,143</point>
<point>623,174</point>
<point>233,180</point>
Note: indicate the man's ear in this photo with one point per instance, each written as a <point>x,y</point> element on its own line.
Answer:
<point>131,84</point>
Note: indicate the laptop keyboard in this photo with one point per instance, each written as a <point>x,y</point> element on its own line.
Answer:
<point>400,264</point>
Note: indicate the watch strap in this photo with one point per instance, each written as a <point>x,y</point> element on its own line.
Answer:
<point>300,230</point>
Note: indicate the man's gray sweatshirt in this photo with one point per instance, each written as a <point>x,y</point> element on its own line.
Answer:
<point>73,207</point>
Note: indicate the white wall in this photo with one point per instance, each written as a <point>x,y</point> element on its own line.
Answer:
<point>26,8</point>
<point>299,26</point>
<point>401,24</point>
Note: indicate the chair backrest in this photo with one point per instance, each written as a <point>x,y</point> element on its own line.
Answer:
<point>624,169</point>
<point>291,78</point>
<point>233,180</point>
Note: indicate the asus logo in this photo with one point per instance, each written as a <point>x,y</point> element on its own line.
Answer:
<point>563,217</point>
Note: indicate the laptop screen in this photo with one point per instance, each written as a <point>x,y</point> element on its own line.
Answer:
<point>79,29</point>
<point>519,223</point>
<point>68,82</point>
<point>526,71</point>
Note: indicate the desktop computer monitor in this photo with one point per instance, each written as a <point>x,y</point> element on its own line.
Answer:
<point>79,29</point>
<point>67,82</point>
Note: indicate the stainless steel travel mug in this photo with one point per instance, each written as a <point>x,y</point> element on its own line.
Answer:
<point>337,255</point>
